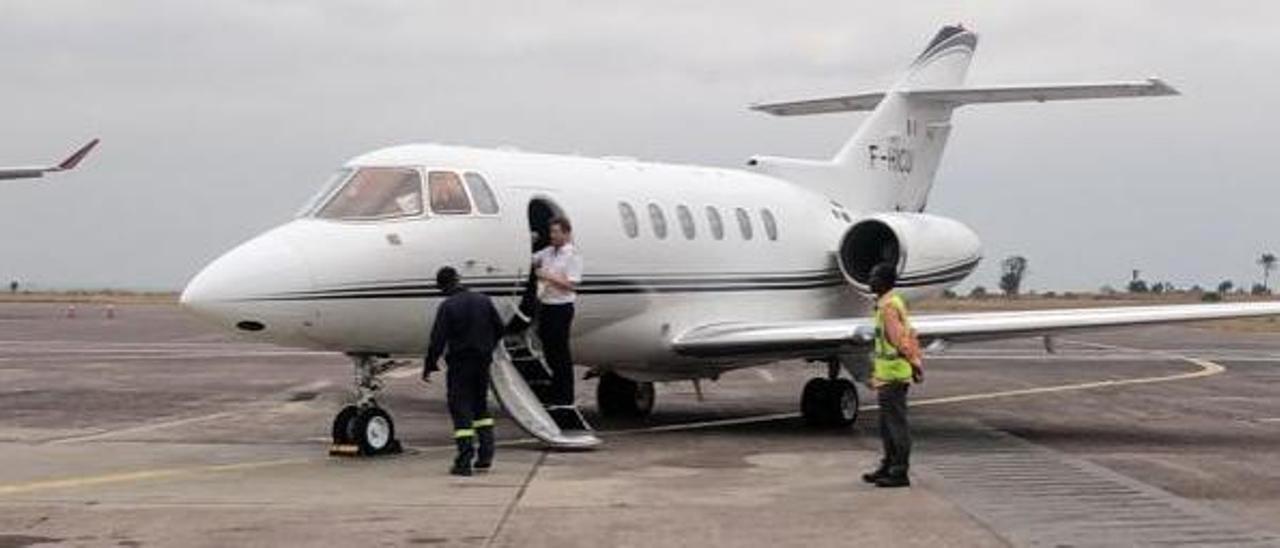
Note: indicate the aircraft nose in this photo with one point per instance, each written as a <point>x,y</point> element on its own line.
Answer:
<point>257,271</point>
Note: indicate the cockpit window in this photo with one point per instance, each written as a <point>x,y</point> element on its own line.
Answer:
<point>331,184</point>
<point>448,197</point>
<point>486,204</point>
<point>376,193</point>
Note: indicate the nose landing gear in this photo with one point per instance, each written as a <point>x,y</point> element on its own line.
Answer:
<point>365,428</point>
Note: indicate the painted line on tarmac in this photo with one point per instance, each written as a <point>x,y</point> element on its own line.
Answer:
<point>145,475</point>
<point>165,424</point>
<point>1206,369</point>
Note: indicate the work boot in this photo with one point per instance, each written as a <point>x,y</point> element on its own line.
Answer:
<point>872,477</point>
<point>466,452</point>
<point>484,456</point>
<point>894,480</point>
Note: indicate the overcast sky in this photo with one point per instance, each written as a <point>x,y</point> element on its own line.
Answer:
<point>219,119</point>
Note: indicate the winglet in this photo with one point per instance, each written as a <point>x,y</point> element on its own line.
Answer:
<point>74,159</point>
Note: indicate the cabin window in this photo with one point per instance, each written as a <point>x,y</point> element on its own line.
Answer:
<point>375,193</point>
<point>715,223</point>
<point>659,221</point>
<point>630,224</point>
<point>744,223</point>
<point>686,222</point>
<point>447,195</point>
<point>770,224</point>
<point>486,204</point>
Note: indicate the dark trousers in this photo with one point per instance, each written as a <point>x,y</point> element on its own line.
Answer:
<point>467,379</point>
<point>894,430</point>
<point>554,321</point>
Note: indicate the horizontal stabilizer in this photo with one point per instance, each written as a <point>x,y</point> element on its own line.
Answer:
<point>847,103</point>
<point>1152,87</point>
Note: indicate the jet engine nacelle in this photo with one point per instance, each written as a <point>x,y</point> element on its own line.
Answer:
<point>931,252</point>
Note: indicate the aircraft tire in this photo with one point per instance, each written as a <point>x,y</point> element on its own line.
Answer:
<point>829,403</point>
<point>343,434</point>
<point>374,431</point>
<point>813,400</point>
<point>844,399</point>
<point>618,396</point>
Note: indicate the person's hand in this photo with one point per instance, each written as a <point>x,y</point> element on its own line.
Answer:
<point>917,374</point>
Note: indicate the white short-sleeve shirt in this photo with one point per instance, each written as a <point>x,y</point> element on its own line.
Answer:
<point>565,261</point>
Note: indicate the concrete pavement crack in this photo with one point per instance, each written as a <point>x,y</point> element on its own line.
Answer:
<point>515,501</point>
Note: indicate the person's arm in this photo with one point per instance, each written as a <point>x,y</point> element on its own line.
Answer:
<point>495,321</point>
<point>896,332</point>
<point>558,279</point>
<point>439,339</point>
<point>900,336</point>
<point>567,280</point>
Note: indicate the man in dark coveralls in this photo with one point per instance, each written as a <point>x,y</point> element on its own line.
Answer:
<point>466,331</point>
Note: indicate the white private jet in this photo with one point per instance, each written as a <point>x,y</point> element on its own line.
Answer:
<point>690,271</point>
<point>32,172</point>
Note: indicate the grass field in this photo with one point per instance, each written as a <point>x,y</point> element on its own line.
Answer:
<point>90,297</point>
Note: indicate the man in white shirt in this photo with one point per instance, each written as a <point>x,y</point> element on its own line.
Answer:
<point>559,270</point>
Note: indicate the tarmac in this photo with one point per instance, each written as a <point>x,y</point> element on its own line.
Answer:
<point>153,429</point>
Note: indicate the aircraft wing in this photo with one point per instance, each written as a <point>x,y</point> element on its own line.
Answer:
<point>29,172</point>
<point>825,337</point>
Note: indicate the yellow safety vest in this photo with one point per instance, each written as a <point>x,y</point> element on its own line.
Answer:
<point>889,365</point>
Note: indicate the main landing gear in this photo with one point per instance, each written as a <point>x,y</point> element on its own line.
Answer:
<point>618,396</point>
<point>365,428</point>
<point>829,401</point>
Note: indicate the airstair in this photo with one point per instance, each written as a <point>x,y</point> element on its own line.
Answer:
<point>521,382</point>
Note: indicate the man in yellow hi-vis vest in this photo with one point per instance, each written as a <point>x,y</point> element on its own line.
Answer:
<point>896,364</point>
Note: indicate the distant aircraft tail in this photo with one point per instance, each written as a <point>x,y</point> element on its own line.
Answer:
<point>74,159</point>
<point>890,161</point>
<point>33,172</point>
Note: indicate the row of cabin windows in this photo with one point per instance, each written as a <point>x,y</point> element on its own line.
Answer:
<point>684,216</point>
<point>379,193</point>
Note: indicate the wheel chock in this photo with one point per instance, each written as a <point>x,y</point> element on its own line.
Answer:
<point>344,450</point>
<point>353,450</point>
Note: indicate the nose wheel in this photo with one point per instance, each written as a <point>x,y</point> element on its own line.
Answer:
<point>365,429</point>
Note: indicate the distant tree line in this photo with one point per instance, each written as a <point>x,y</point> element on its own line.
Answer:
<point>1013,272</point>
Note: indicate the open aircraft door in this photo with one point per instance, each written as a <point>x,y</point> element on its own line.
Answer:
<point>519,376</point>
